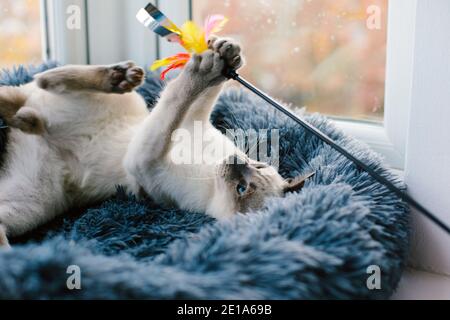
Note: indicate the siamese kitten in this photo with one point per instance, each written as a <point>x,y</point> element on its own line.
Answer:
<point>77,132</point>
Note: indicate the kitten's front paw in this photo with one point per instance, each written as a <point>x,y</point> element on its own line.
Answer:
<point>209,68</point>
<point>125,77</point>
<point>205,70</point>
<point>229,50</point>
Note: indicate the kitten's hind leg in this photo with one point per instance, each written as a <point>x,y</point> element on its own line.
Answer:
<point>120,78</point>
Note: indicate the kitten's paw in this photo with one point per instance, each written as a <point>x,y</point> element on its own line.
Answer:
<point>206,69</point>
<point>29,121</point>
<point>229,50</point>
<point>49,81</point>
<point>125,77</point>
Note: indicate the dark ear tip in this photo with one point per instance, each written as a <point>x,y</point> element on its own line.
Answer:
<point>310,175</point>
<point>296,184</point>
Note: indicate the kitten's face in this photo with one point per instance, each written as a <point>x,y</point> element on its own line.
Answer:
<point>243,185</point>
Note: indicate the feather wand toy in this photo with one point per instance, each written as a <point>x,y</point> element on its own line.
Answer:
<point>190,36</point>
<point>194,40</point>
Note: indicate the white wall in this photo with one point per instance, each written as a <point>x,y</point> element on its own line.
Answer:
<point>427,170</point>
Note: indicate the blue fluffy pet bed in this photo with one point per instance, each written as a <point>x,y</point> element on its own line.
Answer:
<point>317,244</point>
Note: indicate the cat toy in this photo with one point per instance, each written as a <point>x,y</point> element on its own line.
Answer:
<point>190,36</point>
<point>194,40</point>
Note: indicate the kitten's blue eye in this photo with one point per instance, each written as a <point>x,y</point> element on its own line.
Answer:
<point>241,188</point>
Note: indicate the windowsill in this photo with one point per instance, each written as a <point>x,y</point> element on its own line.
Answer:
<point>415,284</point>
<point>421,285</point>
<point>375,136</point>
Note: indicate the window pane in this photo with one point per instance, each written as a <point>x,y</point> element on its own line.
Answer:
<point>20,32</point>
<point>326,55</point>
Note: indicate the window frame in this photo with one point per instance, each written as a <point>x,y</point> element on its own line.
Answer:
<point>60,43</point>
<point>92,43</point>
<point>66,46</point>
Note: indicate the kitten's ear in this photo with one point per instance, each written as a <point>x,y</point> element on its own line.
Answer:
<point>296,184</point>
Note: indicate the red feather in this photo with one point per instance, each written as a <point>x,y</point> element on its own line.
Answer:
<point>173,66</point>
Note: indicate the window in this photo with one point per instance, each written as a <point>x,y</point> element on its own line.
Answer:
<point>320,54</point>
<point>105,32</point>
<point>324,55</point>
<point>20,35</point>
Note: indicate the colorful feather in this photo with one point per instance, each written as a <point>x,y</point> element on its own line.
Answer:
<point>173,66</point>
<point>193,39</point>
<point>175,59</point>
<point>214,24</point>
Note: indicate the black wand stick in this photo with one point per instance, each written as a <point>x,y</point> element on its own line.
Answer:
<point>319,134</point>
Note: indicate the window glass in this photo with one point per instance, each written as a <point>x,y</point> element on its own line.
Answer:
<point>20,32</point>
<point>326,55</point>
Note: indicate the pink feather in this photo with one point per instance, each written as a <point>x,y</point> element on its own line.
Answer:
<point>214,24</point>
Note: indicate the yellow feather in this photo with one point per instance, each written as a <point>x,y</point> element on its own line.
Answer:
<point>161,63</point>
<point>193,38</point>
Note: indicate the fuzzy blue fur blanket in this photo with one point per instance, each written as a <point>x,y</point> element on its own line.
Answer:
<point>317,244</point>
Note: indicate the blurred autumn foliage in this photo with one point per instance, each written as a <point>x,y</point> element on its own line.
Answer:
<point>20,32</point>
<point>315,53</point>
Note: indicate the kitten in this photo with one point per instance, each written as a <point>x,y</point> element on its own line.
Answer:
<point>77,132</point>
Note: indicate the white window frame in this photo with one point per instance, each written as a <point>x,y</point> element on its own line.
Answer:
<point>96,46</point>
<point>60,43</point>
